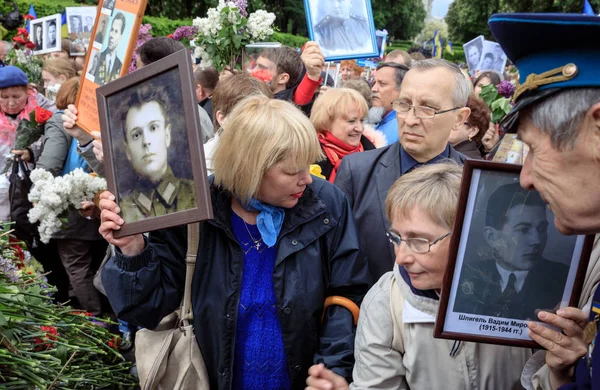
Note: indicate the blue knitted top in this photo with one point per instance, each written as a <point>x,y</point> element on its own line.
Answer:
<point>259,361</point>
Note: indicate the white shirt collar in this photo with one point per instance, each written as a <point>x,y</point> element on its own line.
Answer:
<point>504,275</point>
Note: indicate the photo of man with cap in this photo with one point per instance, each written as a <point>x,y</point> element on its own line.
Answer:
<point>557,114</point>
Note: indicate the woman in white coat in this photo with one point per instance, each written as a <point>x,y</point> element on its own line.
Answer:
<point>395,348</point>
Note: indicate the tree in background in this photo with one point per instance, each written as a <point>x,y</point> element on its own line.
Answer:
<point>403,19</point>
<point>467,19</point>
<point>430,27</point>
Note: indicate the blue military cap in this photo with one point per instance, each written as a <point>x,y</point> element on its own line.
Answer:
<point>551,51</point>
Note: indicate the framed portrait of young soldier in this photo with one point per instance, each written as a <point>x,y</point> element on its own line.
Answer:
<point>507,260</point>
<point>115,33</point>
<point>344,29</point>
<point>153,150</point>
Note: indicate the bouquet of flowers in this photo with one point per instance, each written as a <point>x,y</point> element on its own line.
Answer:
<point>22,56</point>
<point>43,345</point>
<point>54,196</point>
<point>225,31</point>
<point>499,99</point>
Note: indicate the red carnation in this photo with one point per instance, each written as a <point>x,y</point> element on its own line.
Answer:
<point>23,31</point>
<point>50,334</point>
<point>19,40</point>
<point>262,75</point>
<point>28,17</point>
<point>42,115</point>
<point>170,36</point>
<point>30,45</point>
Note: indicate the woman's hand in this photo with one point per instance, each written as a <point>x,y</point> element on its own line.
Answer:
<point>98,151</point>
<point>563,349</point>
<point>25,154</point>
<point>111,221</point>
<point>321,378</point>
<point>69,118</point>
<point>490,138</point>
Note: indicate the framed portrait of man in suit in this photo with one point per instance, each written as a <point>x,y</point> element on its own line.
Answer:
<point>80,23</point>
<point>45,33</point>
<point>507,260</point>
<point>344,29</point>
<point>113,40</point>
<point>153,150</point>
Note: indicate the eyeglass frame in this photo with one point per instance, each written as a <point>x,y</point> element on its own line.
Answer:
<point>414,108</point>
<point>391,235</point>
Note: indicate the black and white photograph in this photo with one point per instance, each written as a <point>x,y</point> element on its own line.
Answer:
<point>101,31</point>
<point>92,65</point>
<point>46,34</point>
<point>473,50</point>
<point>80,22</point>
<point>108,5</point>
<point>75,25</point>
<point>492,58</point>
<point>344,29</point>
<point>110,62</point>
<point>510,260</point>
<point>152,156</point>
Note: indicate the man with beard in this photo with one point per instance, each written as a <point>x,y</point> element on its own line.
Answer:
<point>386,88</point>
<point>110,65</point>
<point>518,281</point>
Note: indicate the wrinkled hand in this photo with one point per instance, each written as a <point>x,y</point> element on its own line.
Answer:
<point>563,349</point>
<point>97,144</point>
<point>490,138</point>
<point>313,60</point>
<point>111,221</point>
<point>69,118</point>
<point>321,378</point>
<point>227,72</point>
<point>25,154</point>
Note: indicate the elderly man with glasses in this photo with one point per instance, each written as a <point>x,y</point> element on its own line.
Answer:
<point>432,100</point>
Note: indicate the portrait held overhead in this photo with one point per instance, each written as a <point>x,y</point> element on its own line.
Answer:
<point>342,28</point>
<point>152,156</point>
<point>509,262</point>
<point>473,51</point>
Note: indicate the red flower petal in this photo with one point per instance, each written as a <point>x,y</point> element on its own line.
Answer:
<point>28,17</point>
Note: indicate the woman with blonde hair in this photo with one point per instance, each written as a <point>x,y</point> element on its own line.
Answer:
<point>279,244</point>
<point>54,73</point>
<point>338,116</point>
<point>395,348</point>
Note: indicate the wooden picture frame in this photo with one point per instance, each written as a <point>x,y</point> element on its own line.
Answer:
<point>153,149</point>
<point>44,24</point>
<point>352,23</point>
<point>507,261</point>
<point>110,58</point>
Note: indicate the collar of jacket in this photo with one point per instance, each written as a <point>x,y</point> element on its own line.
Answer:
<point>309,207</point>
<point>422,302</point>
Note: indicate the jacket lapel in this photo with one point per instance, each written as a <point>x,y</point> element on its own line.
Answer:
<point>386,174</point>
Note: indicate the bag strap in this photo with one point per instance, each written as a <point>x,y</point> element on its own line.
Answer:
<point>190,260</point>
<point>396,306</point>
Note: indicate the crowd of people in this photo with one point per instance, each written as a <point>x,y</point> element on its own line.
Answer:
<point>321,191</point>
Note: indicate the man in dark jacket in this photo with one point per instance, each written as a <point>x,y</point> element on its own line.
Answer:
<point>432,101</point>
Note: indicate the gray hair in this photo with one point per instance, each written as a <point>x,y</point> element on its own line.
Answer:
<point>7,45</point>
<point>462,87</point>
<point>561,115</point>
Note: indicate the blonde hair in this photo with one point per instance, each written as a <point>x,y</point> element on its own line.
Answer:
<point>259,133</point>
<point>433,188</point>
<point>59,67</point>
<point>335,103</point>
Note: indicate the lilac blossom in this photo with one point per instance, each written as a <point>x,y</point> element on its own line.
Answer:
<point>9,269</point>
<point>242,4</point>
<point>506,89</point>
<point>184,32</point>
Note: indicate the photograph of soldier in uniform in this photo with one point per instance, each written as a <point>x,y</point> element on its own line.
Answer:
<point>38,36</point>
<point>342,27</point>
<point>101,29</point>
<point>148,128</point>
<point>109,68</point>
<point>516,280</point>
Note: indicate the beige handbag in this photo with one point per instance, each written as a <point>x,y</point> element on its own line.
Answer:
<point>169,356</point>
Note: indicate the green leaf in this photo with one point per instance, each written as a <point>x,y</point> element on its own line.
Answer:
<point>61,353</point>
<point>3,321</point>
<point>237,42</point>
<point>489,94</point>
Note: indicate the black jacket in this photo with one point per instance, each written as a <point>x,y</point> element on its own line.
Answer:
<point>317,256</point>
<point>469,149</point>
<point>327,166</point>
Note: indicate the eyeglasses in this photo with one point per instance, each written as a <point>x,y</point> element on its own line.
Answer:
<point>420,111</point>
<point>417,245</point>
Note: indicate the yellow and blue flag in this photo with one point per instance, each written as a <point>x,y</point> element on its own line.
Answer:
<point>449,48</point>
<point>437,45</point>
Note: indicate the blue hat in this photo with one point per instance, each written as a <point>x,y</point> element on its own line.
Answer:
<point>551,51</point>
<point>11,76</point>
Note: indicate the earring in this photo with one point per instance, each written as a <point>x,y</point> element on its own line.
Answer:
<point>470,139</point>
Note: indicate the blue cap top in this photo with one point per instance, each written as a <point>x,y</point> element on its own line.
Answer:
<point>11,76</point>
<point>552,52</point>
